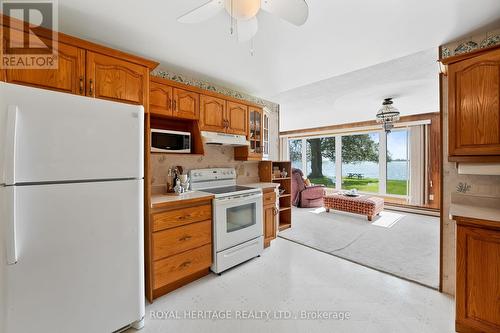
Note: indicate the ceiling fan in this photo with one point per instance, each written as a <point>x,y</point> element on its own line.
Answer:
<point>243,13</point>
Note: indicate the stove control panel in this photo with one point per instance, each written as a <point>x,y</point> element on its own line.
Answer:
<point>206,175</point>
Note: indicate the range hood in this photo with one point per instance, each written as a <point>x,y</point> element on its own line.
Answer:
<point>223,139</point>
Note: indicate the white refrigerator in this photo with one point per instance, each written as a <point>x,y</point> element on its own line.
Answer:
<point>71,212</point>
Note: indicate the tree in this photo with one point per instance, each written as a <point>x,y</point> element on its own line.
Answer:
<point>315,156</point>
<point>359,148</point>
<point>295,150</point>
<point>355,148</point>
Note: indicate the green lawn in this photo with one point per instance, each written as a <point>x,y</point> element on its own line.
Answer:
<point>398,187</point>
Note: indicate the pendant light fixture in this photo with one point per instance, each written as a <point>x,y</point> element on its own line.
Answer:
<point>387,115</point>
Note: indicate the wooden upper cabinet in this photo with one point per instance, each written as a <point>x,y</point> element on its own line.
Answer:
<point>474,106</point>
<point>212,114</point>
<point>160,99</point>
<point>115,79</point>
<point>186,104</point>
<point>68,77</point>
<point>237,118</point>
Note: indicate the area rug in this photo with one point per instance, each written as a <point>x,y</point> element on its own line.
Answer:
<point>387,219</point>
<point>405,245</point>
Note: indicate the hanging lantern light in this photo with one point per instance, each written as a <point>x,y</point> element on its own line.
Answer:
<point>387,115</point>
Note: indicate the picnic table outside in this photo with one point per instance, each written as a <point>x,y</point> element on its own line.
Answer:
<point>355,175</point>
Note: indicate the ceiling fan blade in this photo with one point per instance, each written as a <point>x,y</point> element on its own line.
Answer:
<point>247,29</point>
<point>293,11</point>
<point>203,12</point>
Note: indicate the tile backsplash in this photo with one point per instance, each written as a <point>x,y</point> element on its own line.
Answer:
<point>215,157</point>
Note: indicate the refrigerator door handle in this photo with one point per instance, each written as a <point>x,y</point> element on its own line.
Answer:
<point>10,214</point>
<point>10,145</point>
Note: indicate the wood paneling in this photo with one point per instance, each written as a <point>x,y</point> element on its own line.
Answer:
<point>186,104</point>
<point>160,99</point>
<point>474,106</point>
<point>212,114</point>
<point>171,269</point>
<point>176,240</point>
<point>179,217</point>
<point>478,272</point>
<point>115,79</point>
<point>237,118</point>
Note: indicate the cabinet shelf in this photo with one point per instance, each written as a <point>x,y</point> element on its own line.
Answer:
<point>282,178</point>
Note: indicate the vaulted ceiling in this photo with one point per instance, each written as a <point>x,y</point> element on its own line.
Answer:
<point>340,36</point>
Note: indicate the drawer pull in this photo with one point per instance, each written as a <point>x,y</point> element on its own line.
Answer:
<point>185,264</point>
<point>185,238</point>
<point>185,217</point>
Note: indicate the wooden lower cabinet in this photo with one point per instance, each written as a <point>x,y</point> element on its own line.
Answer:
<point>270,213</point>
<point>180,246</point>
<point>478,276</point>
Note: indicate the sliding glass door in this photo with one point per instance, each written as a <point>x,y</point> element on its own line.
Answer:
<point>373,162</point>
<point>398,163</point>
<point>360,162</point>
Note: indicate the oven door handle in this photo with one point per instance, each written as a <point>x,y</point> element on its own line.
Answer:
<point>239,198</point>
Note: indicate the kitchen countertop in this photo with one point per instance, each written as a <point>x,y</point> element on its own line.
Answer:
<point>166,200</point>
<point>481,213</point>
<point>476,207</point>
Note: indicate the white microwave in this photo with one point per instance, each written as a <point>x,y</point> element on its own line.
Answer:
<point>165,141</point>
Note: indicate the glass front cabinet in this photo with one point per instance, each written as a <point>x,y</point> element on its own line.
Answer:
<point>254,152</point>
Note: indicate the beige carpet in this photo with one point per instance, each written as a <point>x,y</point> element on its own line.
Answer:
<point>409,248</point>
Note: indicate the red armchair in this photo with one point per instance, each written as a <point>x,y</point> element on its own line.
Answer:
<point>306,196</point>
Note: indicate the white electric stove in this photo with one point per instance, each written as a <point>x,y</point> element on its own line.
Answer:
<point>238,217</point>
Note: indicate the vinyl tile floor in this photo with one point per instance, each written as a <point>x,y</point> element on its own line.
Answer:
<point>292,288</point>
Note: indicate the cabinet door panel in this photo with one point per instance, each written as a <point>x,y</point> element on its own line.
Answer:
<point>237,117</point>
<point>478,271</point>
<point>160,99</point>
<point>212,114</point>
<point>186,104</point>
<point>269,224</point>
<point>68,77</point>
<point>474,96</point>
<point>115,79</point>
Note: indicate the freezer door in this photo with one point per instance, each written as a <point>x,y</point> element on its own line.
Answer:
<point>80,258</point>
<point>53,137</point>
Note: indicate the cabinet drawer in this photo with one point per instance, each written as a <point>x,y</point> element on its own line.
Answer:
<point>269,198</point>
<point>177,240</point>
<point>178,217</point>
<point>179,266</point>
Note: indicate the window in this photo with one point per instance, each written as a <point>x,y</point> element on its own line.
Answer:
<point>373,162</point>
<point>360,162</point>
<point>397,163</point>
<point>265,138</point>
<point>296,153</point>
<point>321,161</point>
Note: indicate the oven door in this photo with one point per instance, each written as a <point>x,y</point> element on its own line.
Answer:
<point>237,219</point>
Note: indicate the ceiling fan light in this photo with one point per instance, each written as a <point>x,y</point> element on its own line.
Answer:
<point>242,9</point>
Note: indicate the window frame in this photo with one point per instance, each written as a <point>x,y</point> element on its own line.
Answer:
<point>382,188</point>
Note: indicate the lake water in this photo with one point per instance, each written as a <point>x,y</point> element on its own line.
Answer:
<point>396,170</point>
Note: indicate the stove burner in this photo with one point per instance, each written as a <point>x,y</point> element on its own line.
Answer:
<point>227,189</point>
